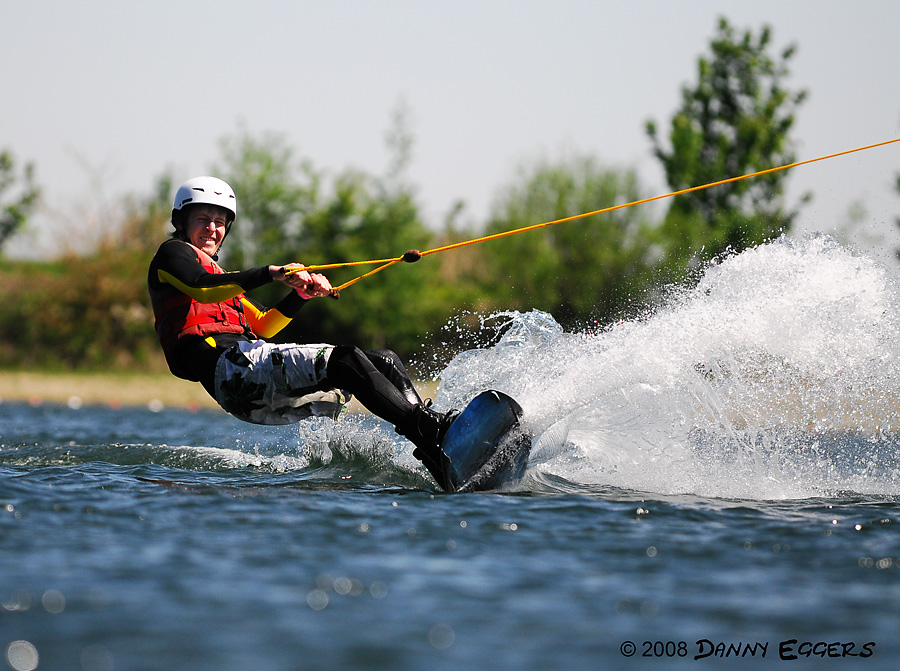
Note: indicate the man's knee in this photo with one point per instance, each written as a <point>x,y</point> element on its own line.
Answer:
<point>348,360</point>
<point>348,354</point>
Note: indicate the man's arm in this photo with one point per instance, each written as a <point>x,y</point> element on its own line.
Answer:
<point>177,265</point>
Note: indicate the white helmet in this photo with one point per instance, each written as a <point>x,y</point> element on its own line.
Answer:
<point>206,190</point>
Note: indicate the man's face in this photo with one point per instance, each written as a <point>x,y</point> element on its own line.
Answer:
<point>205,227</point>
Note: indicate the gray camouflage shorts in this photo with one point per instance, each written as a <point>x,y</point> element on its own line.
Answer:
<point>264,383</point>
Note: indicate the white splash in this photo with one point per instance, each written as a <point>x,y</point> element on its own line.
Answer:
<point>777,376</point>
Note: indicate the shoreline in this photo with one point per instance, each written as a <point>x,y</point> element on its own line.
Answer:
<point>152,390</point>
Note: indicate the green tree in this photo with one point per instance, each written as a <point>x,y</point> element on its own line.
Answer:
<point>397,307</point>
<point>288,211</point>
<point>274,194</point>
<point>14,213</point>
<point>148,219</point>
<point>89,311</point>
<point>735,120</point>
<point>588,269</point>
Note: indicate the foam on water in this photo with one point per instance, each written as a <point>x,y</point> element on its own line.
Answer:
<point>776,377</point>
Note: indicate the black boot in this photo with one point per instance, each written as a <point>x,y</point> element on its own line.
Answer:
<point>425,428</point>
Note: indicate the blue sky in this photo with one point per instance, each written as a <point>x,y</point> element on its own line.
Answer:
<point>106,96</point>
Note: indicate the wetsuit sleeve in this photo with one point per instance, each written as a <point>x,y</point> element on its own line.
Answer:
<point>176,264</point>
<point>267,322</point>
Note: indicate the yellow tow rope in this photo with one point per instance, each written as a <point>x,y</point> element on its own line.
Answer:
<point>414,255</point>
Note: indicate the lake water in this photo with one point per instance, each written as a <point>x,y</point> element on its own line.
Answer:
<point>716,485</point>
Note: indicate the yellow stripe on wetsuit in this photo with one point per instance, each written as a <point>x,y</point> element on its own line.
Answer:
<point>219,294</point>
<point>264,324</point>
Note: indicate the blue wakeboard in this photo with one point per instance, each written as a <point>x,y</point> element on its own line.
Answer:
<point>485,447</point>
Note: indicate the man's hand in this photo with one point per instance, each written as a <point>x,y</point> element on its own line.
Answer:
<point>308,285</point>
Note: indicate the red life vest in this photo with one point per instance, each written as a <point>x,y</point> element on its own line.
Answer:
<point>178,315</point>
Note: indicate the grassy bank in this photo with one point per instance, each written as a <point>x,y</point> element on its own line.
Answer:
<point>102,388</point>
<point>118,389</point>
